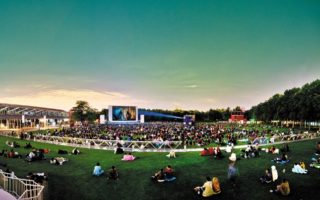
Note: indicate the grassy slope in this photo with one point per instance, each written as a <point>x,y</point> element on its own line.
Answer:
<point>74,181</point>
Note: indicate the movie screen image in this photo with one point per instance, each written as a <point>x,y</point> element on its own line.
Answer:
<point>124,113</point>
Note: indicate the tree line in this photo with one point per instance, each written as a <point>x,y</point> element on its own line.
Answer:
<point>296,104</point>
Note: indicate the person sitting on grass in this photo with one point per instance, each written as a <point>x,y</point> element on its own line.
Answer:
<point>13,154</point>
<point>298,169</point>
<point>113,173</point>
<point>169,173</point>
<point>283,188</point>
<point>267,177</point>
<point>128,157</point>
<point>218,153</point>
<point>209,188</point>
<point>58,160</point>
<point>97,171</point>
<point>284,159</point>
<point>172,154</point>
<point>159,176</point>
<point>316,163</point>
<point>75,151</point>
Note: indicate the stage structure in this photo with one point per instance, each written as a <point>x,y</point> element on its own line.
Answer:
<point>189,119</point>
<point>123,114</point>
<point>14,116</point>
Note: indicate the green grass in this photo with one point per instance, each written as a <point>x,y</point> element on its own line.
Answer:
<point>73,180</point>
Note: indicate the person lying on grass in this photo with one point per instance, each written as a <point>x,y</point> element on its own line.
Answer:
<point>284,159</point>
<point>97,170</point>
<point>283,188</point>
<point>209,188</point>
<point>58,160</point>
<point>113,173</point>
<point>159,176</point>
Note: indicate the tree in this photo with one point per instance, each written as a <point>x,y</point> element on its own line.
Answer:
<point>83,112</point>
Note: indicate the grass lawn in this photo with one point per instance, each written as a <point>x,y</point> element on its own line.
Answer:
<point>73,180</point>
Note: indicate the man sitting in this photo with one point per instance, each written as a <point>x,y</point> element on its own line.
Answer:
<point>113,173</point>
<point>97,171</point>
<point>267,178</point>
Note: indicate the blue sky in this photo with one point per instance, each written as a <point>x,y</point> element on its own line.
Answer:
<point>156,54</point>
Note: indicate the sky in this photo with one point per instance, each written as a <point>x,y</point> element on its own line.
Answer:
<point>168,54</point>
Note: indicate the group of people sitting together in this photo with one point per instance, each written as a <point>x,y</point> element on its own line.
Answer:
<point>252,151</point>
<point>166,174</point>
<point>271,175</point>
<point>36,154</point>
<point>211,151</point>
<point>112,173</point>
<point>282,160</point>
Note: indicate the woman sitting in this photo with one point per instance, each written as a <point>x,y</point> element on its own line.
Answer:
<point>172,154</point>
<point>128,157</point>
<point>283,188</point>
<point>97,171</point>
<point>298,169</point>
<point>58,160</point>
<point>267,177</point>
<point>209,188</point>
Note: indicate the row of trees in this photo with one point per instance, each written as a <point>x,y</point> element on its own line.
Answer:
<point>296,104</point>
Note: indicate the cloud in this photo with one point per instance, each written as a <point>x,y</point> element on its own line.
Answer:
<point>191,86</point>
<point>66,98</point>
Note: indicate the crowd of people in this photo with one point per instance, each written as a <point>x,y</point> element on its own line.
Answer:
<point>201,134</point>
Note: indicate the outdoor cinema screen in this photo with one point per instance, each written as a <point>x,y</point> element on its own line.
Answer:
<point>124,113</point>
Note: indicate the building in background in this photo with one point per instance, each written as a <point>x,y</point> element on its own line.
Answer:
<point>15,117</point>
